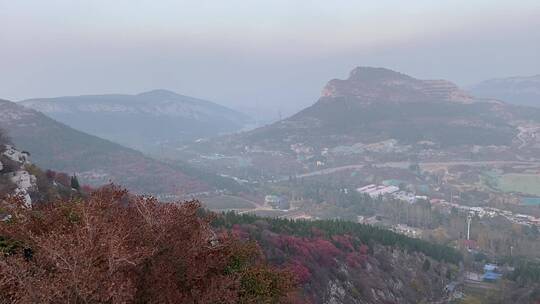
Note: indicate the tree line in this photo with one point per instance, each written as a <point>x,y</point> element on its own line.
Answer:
<point>366,234</point>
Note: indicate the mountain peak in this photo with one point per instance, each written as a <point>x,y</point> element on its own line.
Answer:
<point>159,93</point>
<point>370,84</point>
<point>372,74</point>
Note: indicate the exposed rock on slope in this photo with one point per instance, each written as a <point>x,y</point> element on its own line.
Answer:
<point>348,263</point>
<point>378,84</point>
<point>13,170</point>
<point>376,104</point>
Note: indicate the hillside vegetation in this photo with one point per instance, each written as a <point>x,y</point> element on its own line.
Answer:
<point>345,262</point>
<point>143,121</point>
<point>113,248</point>
<point>97,161</point>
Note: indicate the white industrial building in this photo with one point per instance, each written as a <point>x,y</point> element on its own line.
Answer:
<point>376,191</point>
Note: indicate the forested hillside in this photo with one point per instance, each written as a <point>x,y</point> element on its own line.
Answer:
<point>96,161</point>
<point>144,121</point>
<point>345,262</point>
<point>142,256</point>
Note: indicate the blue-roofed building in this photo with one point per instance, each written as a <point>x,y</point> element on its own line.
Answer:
<point>490,273</point>
<point>491,276</point>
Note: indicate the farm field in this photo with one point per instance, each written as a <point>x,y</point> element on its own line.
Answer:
<point>227,202</point>
<point>523,183</point>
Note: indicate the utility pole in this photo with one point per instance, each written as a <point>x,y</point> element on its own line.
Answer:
<point>469,219</point>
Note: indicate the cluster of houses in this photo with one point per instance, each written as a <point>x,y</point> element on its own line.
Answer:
<point>376,191</point>
<point>393,191</point>
<point>399,228</point>
<point>277,202</point>
<point>407,230</point>
<point>492,273</point>
<point>522,219</point>
<point>388,190</point>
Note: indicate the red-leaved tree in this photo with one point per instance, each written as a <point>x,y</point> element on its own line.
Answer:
<point>116,248</point>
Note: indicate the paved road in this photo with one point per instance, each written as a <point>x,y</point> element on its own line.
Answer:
<point>330,170</point>
<point>422,164</point>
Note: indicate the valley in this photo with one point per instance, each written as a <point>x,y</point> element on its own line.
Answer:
<point>422,159</point>
<point>441,178</point>
<point>270,152</point>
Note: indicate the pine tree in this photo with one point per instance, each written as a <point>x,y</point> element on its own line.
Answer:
<point>427,265</point>
<point>75,183</point>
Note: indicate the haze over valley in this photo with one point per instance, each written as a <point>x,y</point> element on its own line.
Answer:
<point>284,152</point>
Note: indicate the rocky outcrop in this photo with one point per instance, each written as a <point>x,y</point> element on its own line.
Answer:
<point>13,165</point>
<point>369,84</point>
<point>376,105</point>
<point>389,276</point>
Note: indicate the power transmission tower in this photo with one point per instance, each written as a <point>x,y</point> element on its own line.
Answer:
<point>469,220</point>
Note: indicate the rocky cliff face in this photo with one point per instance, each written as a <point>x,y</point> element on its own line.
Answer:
<point>390,276</point>
<point>13,169</point>
<point>376,104</point>
<point>369,84</point>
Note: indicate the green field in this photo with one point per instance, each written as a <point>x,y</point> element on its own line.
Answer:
<point>226,202</point>
<point>515,182</point>
<point>269,213</point>
<point>531,201</point>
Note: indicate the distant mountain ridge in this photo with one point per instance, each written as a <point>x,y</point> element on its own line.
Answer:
<point>377,104</point>
<point>515,90</point>
<point>96,161</point>
<point>142,121</point>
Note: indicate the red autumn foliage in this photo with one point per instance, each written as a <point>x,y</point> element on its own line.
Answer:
<point>309,248</point>
<point>310,258</point>
<point>364,249</point>
<point>51,175</point>
<point>63,179</point>
<point>113,248</point>
<point>356,259</point>
<point>343,242</point>
<point>302,273</point>
<point>87,189</point>
<point>326,251</point>
<point>239,233</point>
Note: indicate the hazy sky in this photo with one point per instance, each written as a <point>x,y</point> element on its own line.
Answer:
<point>274,55</point>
